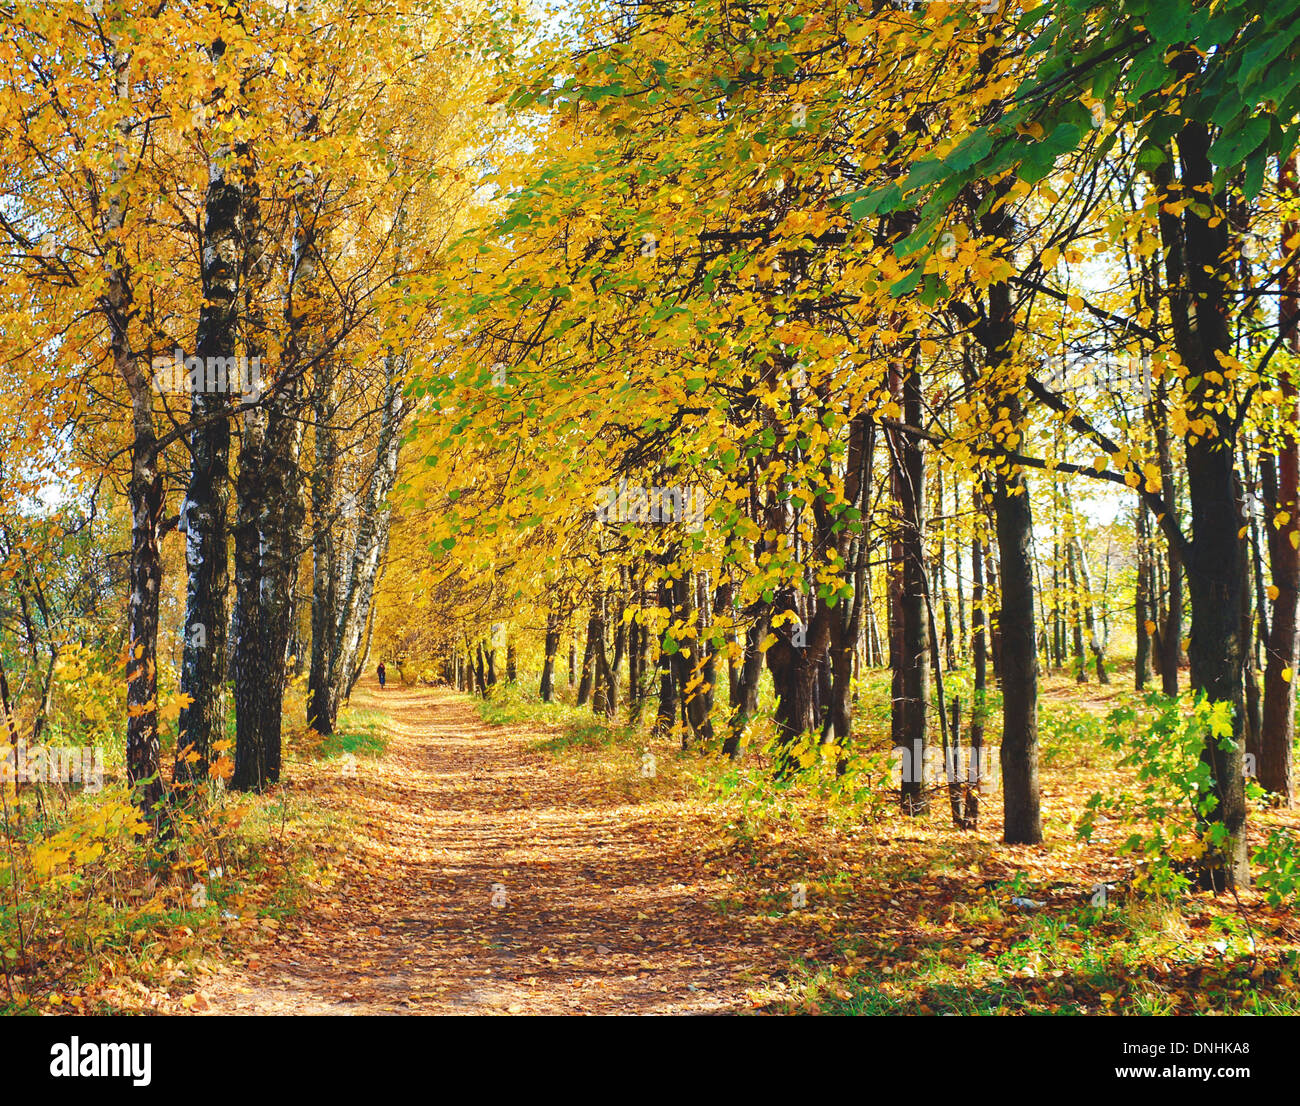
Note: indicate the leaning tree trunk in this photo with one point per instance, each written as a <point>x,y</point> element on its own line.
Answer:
<point>371,533</point>
<point>363,654</point>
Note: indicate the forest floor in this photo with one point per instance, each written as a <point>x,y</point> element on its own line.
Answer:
<point>532,865</point>
<point>486,877</point>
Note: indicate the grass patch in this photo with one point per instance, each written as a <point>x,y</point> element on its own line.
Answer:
<point>906,915</point>
<point>97,917</point>
<point>359,732</point>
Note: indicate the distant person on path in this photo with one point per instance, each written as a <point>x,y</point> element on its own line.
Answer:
<point>382,673</point>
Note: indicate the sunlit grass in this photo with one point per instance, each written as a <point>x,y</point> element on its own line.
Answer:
<point>970,950</point>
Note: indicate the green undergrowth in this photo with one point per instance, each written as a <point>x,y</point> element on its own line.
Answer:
<point>100,915</point>
<point>894,943</point>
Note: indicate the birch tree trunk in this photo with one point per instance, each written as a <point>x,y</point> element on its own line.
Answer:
<point>145,489</point>
<point>268,526</point>
<point>205,511</point>
<point>324,552</point>
<point>353,613</point>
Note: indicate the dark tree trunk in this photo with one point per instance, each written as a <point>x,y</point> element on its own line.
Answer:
<point>693,663</point>
<point>909,722</point>
<point>1260,618</point>
<point>758,615</point>
<point>1171,630</point>
<point>941,577</point>
<point>978,622</point>
<point>603,701</point>
<point>1142,603</point>
<point>620,651</point>
<point>962,638</point>
<point>794,676</point>
<point>204,515</point>
<point>635,647</point>
<point>822,689</point>
<point>264,626</point>
<point>143,769</point>
<point>1076,613</point>
<point>269,520</point>
<point>1022,819</point>
<point>600,662</point>
<point>1215,557</point>
<point>666,713</point>
<point>1277,725</point>
<point>251,661</point>
<point>548,663</point>
<point>325,554</point>
<point>588,658</point>
<point>1017,655</point>
<point>1092,623</point>
<point>745,704</point>
<point>993,603</point>
<point>846,620</point>
<point>145,491</point>
<point>1251,734</point>
<point>1058,613</point>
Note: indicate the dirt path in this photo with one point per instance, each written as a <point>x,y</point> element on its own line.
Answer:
<point>598,907</point>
